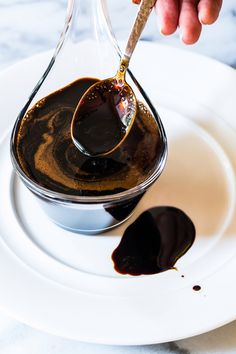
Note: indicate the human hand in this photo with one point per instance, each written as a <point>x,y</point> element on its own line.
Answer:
<point>188,15</point>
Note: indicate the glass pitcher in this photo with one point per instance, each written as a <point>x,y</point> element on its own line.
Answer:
<point>87,49</point>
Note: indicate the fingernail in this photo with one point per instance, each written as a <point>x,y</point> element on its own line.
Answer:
<point>160,28</point>
<point>181,36</point>
<point>201,19</point>
<point>161,31</point>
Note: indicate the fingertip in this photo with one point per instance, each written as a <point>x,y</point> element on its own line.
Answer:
<point>167,15</point>
<point>208,11</point>
<point>188,41</point>
<point>206,17</point>
<point>189,24</point>
<point>167,30</point>
<point>190,37</point>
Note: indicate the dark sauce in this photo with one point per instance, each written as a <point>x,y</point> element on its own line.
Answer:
<point>196,288</point>
<point>121,210</point>
<point>154,242</point>
<point>97,125</point>
<point>47,155</point>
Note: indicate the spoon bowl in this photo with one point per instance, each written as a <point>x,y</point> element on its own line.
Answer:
<point>103,117</point>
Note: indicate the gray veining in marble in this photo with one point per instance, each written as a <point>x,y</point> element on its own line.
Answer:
<point>32,26</point>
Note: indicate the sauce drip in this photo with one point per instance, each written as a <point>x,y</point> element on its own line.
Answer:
<point>154,241</point>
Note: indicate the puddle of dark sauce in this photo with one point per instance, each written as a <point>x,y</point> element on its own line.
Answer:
<point>196,288</point>
<point>154,241</point>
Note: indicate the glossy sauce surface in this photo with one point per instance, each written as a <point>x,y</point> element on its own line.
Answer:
<point>97,123</point>
<point>154,241</point>
<point>47,155</point>
<point>196,288</point>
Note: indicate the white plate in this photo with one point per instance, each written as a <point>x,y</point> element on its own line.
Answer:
<point>65,283</point>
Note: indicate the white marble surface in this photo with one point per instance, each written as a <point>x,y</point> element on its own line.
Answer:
<point>30,26</point>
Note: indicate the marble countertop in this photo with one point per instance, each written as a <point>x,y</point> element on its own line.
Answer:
<point>28,27</point>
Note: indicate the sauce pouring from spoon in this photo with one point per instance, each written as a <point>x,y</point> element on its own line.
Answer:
<point>107,110</point>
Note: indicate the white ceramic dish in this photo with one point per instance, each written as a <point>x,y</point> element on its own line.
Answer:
<point>64,283</point>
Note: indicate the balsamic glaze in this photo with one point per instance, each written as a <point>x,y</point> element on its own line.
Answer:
<point>122,210</point>
<point>154,242</point>
<point>97,125</point>
<point>196,288</point>
<point>47,155</point>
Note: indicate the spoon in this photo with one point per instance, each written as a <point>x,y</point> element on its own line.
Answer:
<point>106,111</point>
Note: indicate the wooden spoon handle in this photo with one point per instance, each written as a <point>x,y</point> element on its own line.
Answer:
<point>140,21</point>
